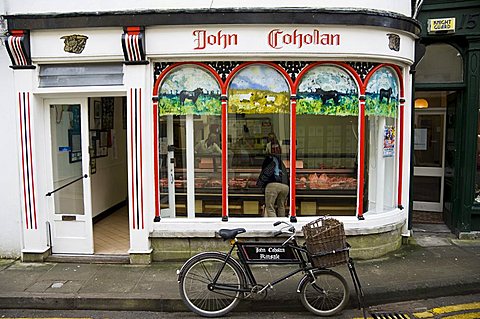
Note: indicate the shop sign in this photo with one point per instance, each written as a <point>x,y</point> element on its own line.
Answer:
<point>276,39</point>
<point>230,40</point>
<point>269,253</point>
<point>443,25</point>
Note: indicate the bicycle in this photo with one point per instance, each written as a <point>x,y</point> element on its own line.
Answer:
<point>213,283</point>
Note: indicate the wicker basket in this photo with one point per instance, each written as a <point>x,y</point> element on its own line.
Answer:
<point>326,236</point>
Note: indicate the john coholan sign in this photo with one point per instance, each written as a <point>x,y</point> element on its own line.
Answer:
<point>276,39</point>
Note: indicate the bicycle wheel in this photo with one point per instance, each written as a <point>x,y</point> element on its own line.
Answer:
<point>203,299</point>
<point>326,294</point>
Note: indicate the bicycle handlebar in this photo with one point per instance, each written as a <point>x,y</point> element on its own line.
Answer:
<point>288,229</point>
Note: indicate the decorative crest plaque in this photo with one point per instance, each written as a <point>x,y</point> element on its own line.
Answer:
<point>393,42</point>
<point>74,43</point>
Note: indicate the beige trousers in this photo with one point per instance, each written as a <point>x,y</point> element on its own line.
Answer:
<point>275,193</point>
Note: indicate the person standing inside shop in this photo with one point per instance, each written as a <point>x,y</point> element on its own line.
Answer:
<point>273,146</point>
<point>209,145</point>
<point>273,179</point>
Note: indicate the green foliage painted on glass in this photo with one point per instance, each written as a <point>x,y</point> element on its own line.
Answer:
<point>204,105</point>
<point>374,107</point>
<point>347,105</point>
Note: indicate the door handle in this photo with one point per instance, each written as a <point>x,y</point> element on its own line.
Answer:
<point>61,187</point>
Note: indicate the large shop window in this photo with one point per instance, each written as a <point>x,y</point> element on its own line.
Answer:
<point>327,142</point>
<point>190,143</point>
<point>258,126</point>
<point>381,109</point>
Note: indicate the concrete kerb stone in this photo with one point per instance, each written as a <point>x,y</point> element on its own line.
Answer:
<point>90,302</point>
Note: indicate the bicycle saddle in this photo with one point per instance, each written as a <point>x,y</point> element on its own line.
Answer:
<point>230,233</point>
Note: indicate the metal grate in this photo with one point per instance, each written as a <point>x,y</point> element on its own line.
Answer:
<point>389,315</point>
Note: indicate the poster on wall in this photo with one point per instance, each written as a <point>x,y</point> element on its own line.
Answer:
<point>389,141</point>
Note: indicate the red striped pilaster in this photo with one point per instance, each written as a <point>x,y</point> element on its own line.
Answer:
<point>293,157</point>
<point>136,157</point>
<point>155,160</point>
<point>361,160</point>
<point>28,180</point>
<point>224,160</point>
<point>400,152</point>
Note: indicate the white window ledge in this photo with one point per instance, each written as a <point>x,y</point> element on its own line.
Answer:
<point>202,227</point>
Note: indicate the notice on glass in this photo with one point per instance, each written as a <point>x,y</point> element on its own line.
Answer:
<point>163,145</point>
<point>420,139</point>
<point>388,141</point>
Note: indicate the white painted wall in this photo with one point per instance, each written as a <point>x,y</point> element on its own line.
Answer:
<point>59,6</point>
<point>10,225</point>
<point>109,183</point>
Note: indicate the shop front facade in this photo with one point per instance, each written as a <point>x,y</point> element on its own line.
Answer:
<point>171,114</point>
<point>446,161</point>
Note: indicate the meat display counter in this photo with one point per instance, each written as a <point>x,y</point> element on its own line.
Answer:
<point>318,192</point>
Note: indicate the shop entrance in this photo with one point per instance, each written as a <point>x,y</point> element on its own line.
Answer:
<point>429,161</point>
<point>88,209</point>
<point>429,153</point>
<point>70,205</point>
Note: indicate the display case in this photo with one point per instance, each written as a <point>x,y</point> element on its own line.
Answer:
<point>323,191</point>
<point>326,191</point>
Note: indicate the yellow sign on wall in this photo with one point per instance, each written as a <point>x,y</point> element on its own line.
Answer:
<point>443,25</point>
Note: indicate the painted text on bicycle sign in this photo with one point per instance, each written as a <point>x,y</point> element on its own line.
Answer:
<point>269,253</point>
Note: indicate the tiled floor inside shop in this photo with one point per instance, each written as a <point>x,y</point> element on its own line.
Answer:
<point>111,234</point>
<point>421,217</point>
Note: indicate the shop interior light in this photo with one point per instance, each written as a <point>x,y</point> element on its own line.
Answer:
<point>421,104</point>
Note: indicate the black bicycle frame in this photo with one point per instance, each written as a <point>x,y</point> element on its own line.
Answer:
<point>299,254</point>
<point>244,260</point>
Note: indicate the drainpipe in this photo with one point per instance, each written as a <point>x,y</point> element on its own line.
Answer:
<point>416,9</point>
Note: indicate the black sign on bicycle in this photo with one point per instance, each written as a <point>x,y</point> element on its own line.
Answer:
<point>268,253</point>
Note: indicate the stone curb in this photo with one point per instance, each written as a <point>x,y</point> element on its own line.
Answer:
<point>147,303</point>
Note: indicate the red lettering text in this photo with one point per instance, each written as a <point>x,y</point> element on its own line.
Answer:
<point>278,38</point>
<point>202,39</point>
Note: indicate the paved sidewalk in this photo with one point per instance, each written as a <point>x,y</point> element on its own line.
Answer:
<point>437,265</point>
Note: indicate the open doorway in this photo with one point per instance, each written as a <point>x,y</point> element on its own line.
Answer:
<point>433,140</point>
<point>108,171</point>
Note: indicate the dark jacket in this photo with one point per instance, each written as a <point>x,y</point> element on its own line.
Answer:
<point>273,170</point>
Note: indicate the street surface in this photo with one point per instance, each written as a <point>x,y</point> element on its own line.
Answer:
<point>455,307</point>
